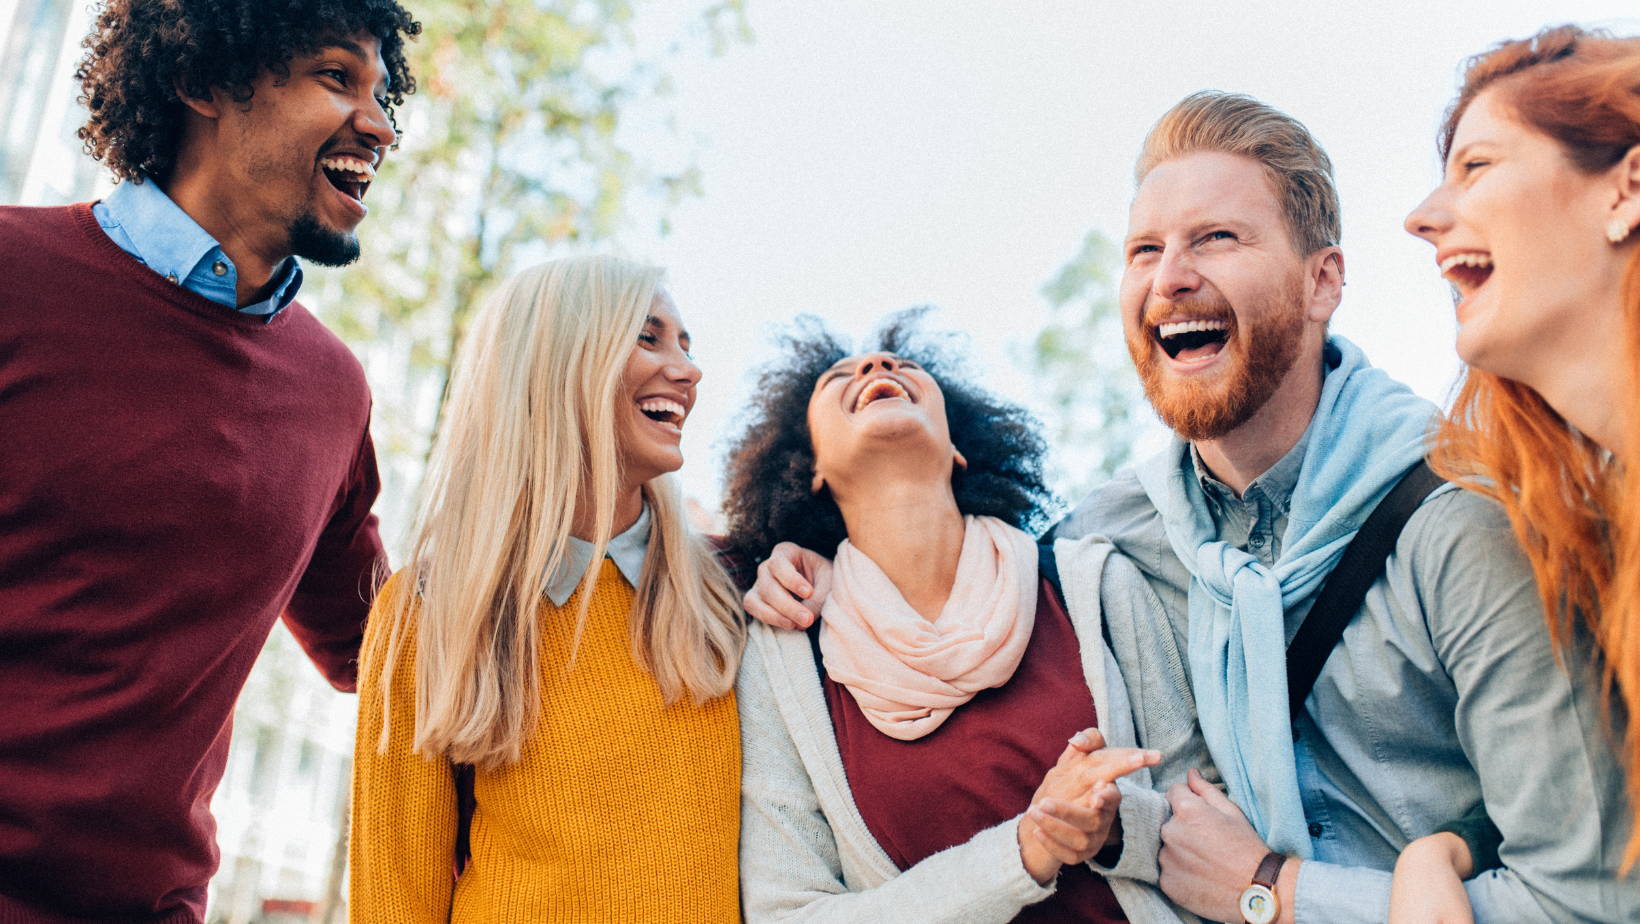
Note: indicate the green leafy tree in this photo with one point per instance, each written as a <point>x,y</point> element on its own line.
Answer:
<point>1091,393</point>
<point>514,147</point>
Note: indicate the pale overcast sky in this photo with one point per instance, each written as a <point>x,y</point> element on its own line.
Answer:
<point>865,155</point>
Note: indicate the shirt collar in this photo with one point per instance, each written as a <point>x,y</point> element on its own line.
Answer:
<point>627,549</point>
<point>168,241</point>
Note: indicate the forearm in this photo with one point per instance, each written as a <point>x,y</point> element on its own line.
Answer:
<point>981,880</point>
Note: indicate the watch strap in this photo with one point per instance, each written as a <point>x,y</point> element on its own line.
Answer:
<point>1268,869</point>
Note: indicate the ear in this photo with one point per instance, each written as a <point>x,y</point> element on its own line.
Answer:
<point>208,107</point>
<point>1326,278</point>
<point>818,484</point>
<point>1625,212</point>
<point>956,456</point>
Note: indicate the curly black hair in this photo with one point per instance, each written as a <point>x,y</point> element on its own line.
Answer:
<point>142,52</point>
<point>771,466</point>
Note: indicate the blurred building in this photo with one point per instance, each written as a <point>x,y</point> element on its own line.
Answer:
<point>281,809</point>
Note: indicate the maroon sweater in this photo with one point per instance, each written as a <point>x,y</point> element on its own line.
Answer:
<point>981,767</point>
<point>174,475</point>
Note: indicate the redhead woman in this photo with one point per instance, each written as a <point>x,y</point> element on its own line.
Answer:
<point>1534,225</point>
<point>559,637</point>
<point>907,759</point>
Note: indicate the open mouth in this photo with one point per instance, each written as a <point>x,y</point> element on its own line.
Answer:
<point>1192,341</point>
<point>1467,271</point>
<point>350,175</point>
<point>663,410</point>
<point>880,389</point>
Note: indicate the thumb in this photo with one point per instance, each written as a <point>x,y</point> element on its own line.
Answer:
<point>1210,793</point>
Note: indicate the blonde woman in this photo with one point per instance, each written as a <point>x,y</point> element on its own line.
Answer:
<point>558,630</point>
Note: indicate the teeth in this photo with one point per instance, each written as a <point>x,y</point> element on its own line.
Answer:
<point>348,165</point>
<point>1175,328</point>
<point>661,406</point>
<point>879,388</point>
<point>1477,260</point>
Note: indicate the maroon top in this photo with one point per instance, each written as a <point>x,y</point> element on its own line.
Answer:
<point>174,476</point>
<point>982,766</point>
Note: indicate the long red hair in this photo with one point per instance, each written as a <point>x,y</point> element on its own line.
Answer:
<point>1573,506</point>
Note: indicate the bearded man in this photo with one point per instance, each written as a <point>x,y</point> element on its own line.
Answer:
<point>187,452</point>
<point>1443,691</point>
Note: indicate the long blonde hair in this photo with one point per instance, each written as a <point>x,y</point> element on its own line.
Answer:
<point>529,434</point>
<point>1574,507</point>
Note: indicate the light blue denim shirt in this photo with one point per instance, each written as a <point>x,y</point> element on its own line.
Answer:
<point>1443,691</point>
<point>627,549</point>
<point>146,224</point>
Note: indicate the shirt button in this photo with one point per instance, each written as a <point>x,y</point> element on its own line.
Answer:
<point>219,268</point>
<point>1316,829</point>
<point>1256,542</point>
<point>171,278</point>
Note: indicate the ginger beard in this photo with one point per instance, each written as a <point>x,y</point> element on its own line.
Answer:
<point>1261,346</point>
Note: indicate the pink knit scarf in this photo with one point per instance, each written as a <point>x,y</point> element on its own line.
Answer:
<point>907,673</point>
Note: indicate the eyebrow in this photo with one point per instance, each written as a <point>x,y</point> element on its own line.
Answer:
<point>1458,154</point>
<point>652,321</point>
<point>356,50</point>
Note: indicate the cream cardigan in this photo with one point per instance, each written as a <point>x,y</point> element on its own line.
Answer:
<point>805,851</point>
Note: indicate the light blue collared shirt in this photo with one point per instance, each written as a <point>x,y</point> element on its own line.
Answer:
<point>146,224</point>
<point>627,549</point>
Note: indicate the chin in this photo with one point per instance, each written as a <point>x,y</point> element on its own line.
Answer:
<point>655,465</point>
<point>312,240</point>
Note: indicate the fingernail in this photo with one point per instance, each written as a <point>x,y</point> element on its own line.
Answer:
<point>1048,805</point>
<point>803,590</point>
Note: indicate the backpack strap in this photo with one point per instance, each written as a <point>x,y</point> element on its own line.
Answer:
<point>1346,588</point>
<point>466,802</point>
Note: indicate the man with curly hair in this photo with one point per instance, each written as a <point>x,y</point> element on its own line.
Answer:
<point>187,453</point>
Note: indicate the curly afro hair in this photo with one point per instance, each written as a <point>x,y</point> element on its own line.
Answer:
<point>771,466</point>
<point>142,52</point>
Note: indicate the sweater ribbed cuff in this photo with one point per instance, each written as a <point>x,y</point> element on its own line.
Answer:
<point>1143,812</point>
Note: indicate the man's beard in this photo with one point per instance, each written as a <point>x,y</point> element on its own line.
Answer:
<point>311,240</point>
<point>1208,410</point>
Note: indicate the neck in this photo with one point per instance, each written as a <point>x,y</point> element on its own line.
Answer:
<point>1248,451</point>
<point>628,506</point>
<point>913,531</point>
<point>1593,393</point>
<point>255,244</point>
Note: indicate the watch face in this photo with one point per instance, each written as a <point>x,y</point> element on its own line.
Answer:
<point>1258,905</point>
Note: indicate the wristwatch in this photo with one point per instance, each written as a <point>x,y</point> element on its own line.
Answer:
<point>1258,901</point>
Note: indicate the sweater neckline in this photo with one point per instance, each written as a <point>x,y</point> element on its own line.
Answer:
<point>123,263</point>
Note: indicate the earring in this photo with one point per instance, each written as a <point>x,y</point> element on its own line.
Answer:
<point>1617,230</point>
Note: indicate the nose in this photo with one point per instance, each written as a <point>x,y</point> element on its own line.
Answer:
<point>681,369</point>
<point>1175,274</point>
<point>373,123</point>
<point>876,362</point>
<point>1432,217</point>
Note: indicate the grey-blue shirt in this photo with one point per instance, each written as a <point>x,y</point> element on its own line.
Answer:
<point>146,224</point>
<point>1443,692</point>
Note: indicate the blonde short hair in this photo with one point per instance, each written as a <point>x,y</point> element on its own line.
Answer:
<point>1300,171</point>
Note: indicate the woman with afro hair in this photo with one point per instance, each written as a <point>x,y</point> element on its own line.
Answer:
<point>907,757</point>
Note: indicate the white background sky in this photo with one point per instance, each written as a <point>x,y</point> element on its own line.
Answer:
<point>862,156</point>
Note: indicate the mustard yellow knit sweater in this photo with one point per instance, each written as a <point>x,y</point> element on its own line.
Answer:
<point>622,808</point>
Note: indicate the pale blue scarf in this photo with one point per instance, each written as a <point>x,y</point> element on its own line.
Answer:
<point>1367,430</point>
